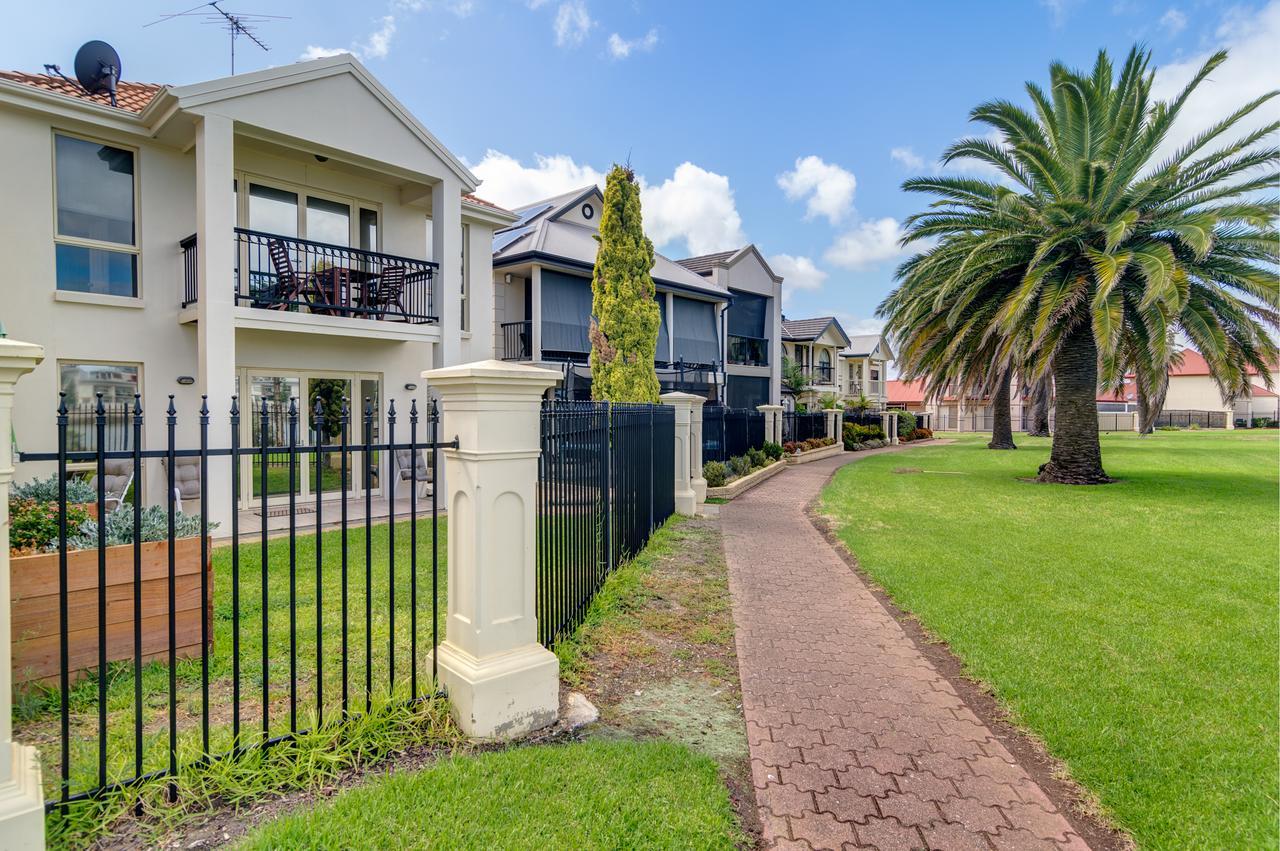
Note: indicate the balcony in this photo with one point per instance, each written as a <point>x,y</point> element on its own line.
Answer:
<point>748,351</point>
<point>517,340</point>
<point>284,273</point>
<point>819,375</point>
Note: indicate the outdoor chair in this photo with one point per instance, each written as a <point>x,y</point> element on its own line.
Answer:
<point>186,479</point>
<point>288,287</point>
<point>117,477</point>
<point>405,470</point>
<point>389,292</point>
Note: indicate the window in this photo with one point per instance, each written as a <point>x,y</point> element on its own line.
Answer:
<point>328,221</point>
<point>465,303</point>
<point>82,382</point>
<point>95,233</point>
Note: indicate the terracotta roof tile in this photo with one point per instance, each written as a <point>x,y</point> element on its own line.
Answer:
<point>483,203</point>
<point>131,97</point>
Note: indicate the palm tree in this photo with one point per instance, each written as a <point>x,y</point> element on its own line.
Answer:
<point>1039,395</point>
<point>1093,241</point>
<point>794,377</point>
<point>1001,416</point>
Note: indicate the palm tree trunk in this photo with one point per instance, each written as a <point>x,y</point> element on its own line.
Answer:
<point>1076,457</point>
<point>1144,417</point>
<point>1039,414</point>
<point>1002,418</point>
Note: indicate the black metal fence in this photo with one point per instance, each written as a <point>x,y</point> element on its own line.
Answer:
<point>1187,419</point>
<point>729,432</point>
<point>517,340</point>
<point>160,650</point>
<point>864,418</point>
<point>606,481</point>
<point>82,428</point>
<point>803,425</point>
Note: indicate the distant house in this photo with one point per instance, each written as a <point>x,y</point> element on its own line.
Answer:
<point>864,364</point>
<point>815,345</point>
<point>1191,388</point>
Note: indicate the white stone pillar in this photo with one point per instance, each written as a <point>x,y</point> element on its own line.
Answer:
<point>21,796</point>
<point>501,682</point>
<point>772,422</point>
<point>893,423</point>
<point>696,481</point>
<point>686,500</point>
<point>215,327</point>
<point>833,423</point>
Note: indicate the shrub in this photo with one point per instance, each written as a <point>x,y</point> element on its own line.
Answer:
<point>155,527</point>
<point>34,525</point>
<point>773,450</point>
<point>862,433</point>
<point>715,474</point>
<point>906,422</point>
<point>46,490</point>
<point>740,465</point>
<point>922,434</point>
<point>757,457</point>
<point>789,447</point>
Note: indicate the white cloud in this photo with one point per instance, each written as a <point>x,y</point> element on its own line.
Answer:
<point>909,159</point>
<point>798,273</point>
<point>621,48</point>
<point>460,8</point>
<point>695,206</point>
<point>536,4</point>
<point>1059,9</point>
<point>317,52</point>
<point>870,243</point>
<point>828,187</point>
<point>1173,22</point>
<point>379,42</point>
<point>853,324</point>
<point>510,184</point>
<point>572,23</point>
<point>1250,70</point>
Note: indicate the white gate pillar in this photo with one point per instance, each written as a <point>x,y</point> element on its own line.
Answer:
<point>772,422</point>
<point>686,500</point>
<point>833,423</point>
<point>501,682</point>
<point>696,481</point>
<point>21,796</point>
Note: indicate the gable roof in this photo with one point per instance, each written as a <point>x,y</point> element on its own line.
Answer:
<point>805,330</point>
<point>865,345</point>
<point>541,233</point>
<point>130,97</point>
<point>905,392</point>
<point>704,263</point>
<point>1193,363</point>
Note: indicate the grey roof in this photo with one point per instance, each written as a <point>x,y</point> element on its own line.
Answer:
<point>803,330</point>
<point>545,233</point>
<point>861,345</point>
<point>704,263</point>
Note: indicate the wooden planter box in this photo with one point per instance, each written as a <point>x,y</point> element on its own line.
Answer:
<point>34,592</point>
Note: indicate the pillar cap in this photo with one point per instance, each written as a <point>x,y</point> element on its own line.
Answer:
<point>17,356</point>
<point>769,407</point>
<point>676,396</point>
<point>492,373</point>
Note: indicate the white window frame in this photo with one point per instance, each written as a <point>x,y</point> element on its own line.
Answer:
<point>122,248</point>
<point>354,204</point>
<point>74,466</point>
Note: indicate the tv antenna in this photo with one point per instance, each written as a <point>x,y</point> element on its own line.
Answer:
<point>235,23</point>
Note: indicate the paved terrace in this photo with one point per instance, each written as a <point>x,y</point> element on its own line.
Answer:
<point>857,741</point>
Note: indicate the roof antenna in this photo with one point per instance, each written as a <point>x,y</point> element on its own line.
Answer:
<point>235,23</point>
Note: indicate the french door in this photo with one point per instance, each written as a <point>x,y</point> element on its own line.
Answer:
<point>266,422</point>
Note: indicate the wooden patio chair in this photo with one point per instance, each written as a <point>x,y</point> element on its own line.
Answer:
<point>289,286</point>
<point>388,293</point>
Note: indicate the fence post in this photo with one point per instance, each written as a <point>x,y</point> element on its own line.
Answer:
<point>893,422</point>
<point>21,796</point>
<point>501,682</point>
<point>696,481</point>
<point>772,422</point>
<point>686,500</point>
<point>833,423</point>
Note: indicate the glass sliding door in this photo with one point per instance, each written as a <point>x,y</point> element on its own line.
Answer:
<point>330,393</point>
<point>272,432</point>
<point>328,221</point>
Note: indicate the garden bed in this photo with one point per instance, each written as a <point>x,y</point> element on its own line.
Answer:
<point>814,454</point>
<point>741,485</point>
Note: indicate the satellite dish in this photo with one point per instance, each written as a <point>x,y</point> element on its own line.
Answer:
<point>98,68</point>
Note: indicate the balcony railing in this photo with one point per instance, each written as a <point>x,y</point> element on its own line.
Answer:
<point>819,374</point>
<point>748,351</point>
<point>274,272</point>
<point>517,340</point>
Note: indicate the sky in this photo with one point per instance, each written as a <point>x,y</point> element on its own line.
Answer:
<point>789,125</point>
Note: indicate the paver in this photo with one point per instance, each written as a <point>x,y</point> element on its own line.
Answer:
<point>857,741</point>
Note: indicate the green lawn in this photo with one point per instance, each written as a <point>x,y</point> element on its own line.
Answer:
<point>586,795</point>
<point>1133,627</point>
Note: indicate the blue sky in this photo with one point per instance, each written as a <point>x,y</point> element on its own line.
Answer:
<point>790,125</point>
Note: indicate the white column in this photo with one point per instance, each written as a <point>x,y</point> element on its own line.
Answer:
<point>215,325</point>
<point>772,422</point>
<point>893,422</point>
<point>535,313</point>
<point>501,682</point>
<point>21,796</point>
<point>833,424</point>
<point>446,238</point>
<point>686,501</point>
<point>696,481</point>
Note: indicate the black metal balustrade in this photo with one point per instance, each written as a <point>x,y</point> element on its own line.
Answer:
<point>730,432</point>
<point>275,272</point>
<point>606,481</point>
<point>819,374</point>
<point>799,426</point>
<point>517,340</point>
<point>125,610</point>
<point>748,351</point>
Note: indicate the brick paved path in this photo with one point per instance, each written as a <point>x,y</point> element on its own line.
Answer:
<point>856,739</point>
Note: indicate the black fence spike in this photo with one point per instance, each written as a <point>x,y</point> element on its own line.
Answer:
<point>101,410</point>
<point>62,404</point>
<point>235,406</point>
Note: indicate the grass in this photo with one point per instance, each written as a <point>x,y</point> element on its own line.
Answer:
<point>36,713</point>
<point>587,795</point>
<point>1132,626</point>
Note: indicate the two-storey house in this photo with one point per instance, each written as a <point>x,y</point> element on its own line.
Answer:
<point>814,346</point>
<point>863,367</point>
<point>273,235</point>
<point>542,267</point>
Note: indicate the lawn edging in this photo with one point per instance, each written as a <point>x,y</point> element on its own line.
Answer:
<point>742,484</point>
<point>815,454</point>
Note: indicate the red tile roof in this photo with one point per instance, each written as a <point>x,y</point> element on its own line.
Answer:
<point>1193,363</point>
<point>131,97</point>
<point>1260,392</point>
<point>483,203</point>
<point>904,392</point>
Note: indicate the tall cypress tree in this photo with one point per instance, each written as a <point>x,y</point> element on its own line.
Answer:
<point>624,325</point>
